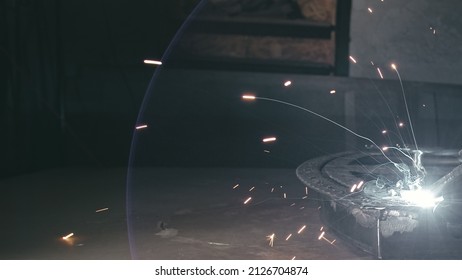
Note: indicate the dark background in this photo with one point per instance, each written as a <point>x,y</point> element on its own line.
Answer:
<point>73,78</point>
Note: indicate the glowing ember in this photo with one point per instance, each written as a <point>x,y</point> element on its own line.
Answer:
<point>153,62</point>
<point>248,200</point>
<point>287,83</point>
<point>384,131</point>
<point>332,91</point>
<point>401,124</point>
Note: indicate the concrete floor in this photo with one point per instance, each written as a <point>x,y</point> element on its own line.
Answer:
<point>173,214</point>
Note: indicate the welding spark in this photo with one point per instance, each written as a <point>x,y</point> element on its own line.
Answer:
<point>384,131</point>
<point>306,190</point>
<point>321,236</point>
<point>353,59</point>
<point>153,62</point>
<point>101,210</point>
<point>370,10</point>
<point>270,238</point>
<point>416,161</point>
<point>407,108</point>
<point>401,124</point>
<point>285,195</point>
<point>353,188</point>
<point>247,200</point>
<point>288,236</point>
<point>287,83</point>
<point>248,97</point>
<point>293,204</point>
<point>68,236</point>
<point>301,229</point>
<point>380,73</point>
<point>293,258</point>
<point>141,126</point>
<point>272,189</point>
<point>332,91</point>
<point>360,185</point>
<point>236,186</point>
<point>269,139</point>
<point>251,189</point>
<point>266,151</point>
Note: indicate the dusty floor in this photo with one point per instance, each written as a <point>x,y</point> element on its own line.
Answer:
<point>173,214</point>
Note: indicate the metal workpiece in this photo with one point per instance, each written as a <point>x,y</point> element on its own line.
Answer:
<point>364,199</point>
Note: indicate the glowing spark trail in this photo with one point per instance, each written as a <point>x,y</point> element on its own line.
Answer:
<point>321,236</point>
<point>248,97</point>
<point>101,210</point>
<point>370,10</point>
<point>236,186</point>
<point>380,73</point>
<point>301,229</point>
<point>141,126</point>
<point>270,238</point>
<point>251,189</point>
<point>352,59</point>
<point>327,119</point>
<point>153,62</point>
<point>332,91</point>
<point>68,236</point>
<point>393,66</point>
<point>269,139</point>
<point>247,200</point>
<point>288,236</point>
<point>287,83</point>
